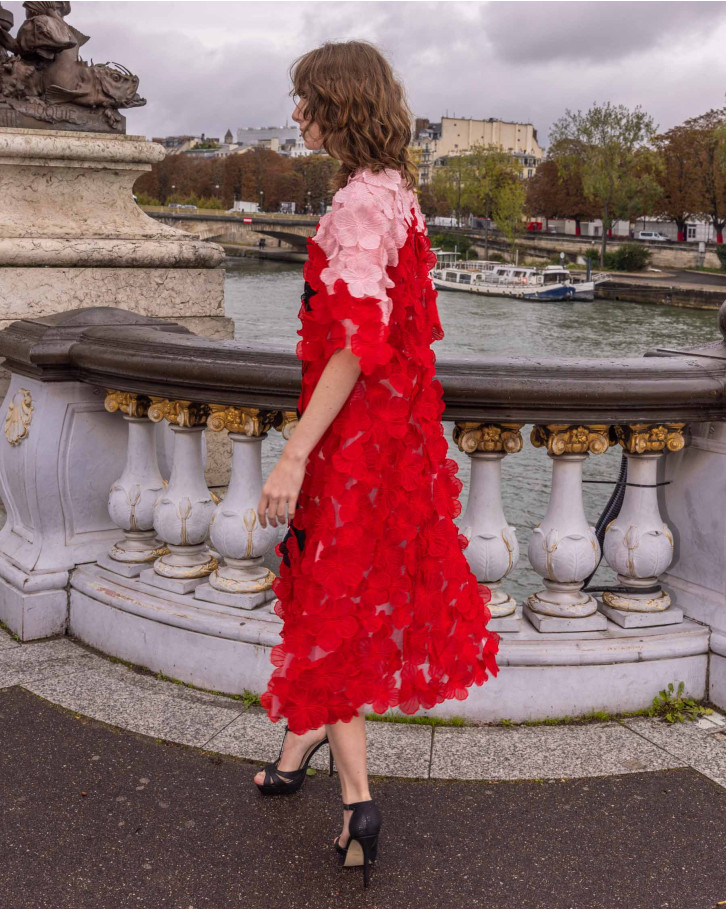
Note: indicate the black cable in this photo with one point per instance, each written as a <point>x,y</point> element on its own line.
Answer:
<point>609,513</point>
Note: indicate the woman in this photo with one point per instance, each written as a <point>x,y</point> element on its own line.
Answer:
<point>373,584</point>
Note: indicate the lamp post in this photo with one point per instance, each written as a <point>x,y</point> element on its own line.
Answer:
<point>262,199</point>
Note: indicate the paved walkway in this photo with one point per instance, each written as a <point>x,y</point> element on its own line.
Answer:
<point>596,816</point>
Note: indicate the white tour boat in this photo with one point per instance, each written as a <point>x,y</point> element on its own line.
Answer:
<point>551,283</point>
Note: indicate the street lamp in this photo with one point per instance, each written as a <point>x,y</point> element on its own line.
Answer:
<point>262,199</point>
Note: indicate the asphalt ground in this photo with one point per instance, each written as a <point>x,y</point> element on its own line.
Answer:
<point>94,817</point>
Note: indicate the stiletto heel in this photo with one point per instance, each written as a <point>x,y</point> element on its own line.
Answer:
<point>285,782</point>
<point>362,846</point>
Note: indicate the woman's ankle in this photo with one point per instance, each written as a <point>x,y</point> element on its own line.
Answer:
<point>358,797</point>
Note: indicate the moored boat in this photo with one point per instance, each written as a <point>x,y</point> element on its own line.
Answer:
<point>551,283</point>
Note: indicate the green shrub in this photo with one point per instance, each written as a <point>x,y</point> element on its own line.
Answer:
<point>628,257</point>
<point>448,241</point>
<point>146,200</point>
<point>592,253</point>
<point>721,253</point>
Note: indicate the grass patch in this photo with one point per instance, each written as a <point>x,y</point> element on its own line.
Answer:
<point>710,271</point>
<point>419,720</point>
<point>12,634</point>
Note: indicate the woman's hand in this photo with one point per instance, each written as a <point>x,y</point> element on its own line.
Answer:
<point>281,490</point>
<point>330,393</point>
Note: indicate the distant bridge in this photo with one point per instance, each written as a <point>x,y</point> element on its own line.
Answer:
<point>233,230</point>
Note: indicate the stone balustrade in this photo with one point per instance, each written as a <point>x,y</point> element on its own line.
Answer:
<point>169,559</point>
<point>563,548</point>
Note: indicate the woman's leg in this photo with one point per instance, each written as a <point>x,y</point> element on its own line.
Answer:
<point>294,749</point>
<point>348,741</point>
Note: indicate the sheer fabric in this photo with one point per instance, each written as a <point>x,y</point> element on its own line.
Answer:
<point>379,605</point>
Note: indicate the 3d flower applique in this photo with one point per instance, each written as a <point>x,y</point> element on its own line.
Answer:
<point>388,178</point>
<point>356,191</point>
<point>361,225</point>
<point>326,240</point>
<point>363,275</point>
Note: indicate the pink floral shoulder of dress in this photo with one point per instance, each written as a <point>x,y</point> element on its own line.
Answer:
<point>363,233</point>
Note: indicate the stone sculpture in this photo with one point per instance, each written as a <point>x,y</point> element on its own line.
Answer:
<point>45,85</point>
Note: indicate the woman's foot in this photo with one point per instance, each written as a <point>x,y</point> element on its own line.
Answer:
<point>342,840</point>
<point>294,749</point>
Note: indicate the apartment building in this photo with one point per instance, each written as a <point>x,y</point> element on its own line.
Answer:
<point>457,135</point>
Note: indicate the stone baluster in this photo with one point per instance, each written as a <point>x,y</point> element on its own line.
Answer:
<point>493,550</point>
<point>638,545</point>
<point>132,497</point>
<point>563,548</point>
<point>183,512</point>
<point>235,531</point>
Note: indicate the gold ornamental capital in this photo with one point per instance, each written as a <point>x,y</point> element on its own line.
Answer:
<point>180,413</point>
<point>248,421</point>
<point>639,438</point>
<point>471,436</point>
<point>287,423</point>
<point>127,402</point>
<point>568,438</point>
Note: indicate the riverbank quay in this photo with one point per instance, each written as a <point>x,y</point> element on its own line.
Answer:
<point>120,788</point>
<point>688,289</point>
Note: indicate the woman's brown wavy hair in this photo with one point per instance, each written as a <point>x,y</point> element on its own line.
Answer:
<point>349,90</point>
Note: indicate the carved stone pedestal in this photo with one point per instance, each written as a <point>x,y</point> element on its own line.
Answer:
<point>71,235</point>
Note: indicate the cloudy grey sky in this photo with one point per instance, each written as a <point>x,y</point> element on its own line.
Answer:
<point>206,66</point>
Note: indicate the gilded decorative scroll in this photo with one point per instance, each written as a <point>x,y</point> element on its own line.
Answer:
<point>248,421</point>
<point>566,438</point>
<point>181,413</point>
<point>287,423</point>
<point>472,436</point>
<point>127,402</point>
<point>18,416</point>
<point>638,438</point>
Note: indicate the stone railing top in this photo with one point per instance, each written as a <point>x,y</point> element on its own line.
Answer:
<point>28,146</point>
<point>113,348</point>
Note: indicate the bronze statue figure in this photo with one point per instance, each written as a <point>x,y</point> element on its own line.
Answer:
<point>44,83</point>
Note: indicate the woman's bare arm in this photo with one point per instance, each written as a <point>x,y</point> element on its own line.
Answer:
<point>282,487</point>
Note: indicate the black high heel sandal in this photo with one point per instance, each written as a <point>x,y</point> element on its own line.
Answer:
<point>285,782</point>
<point>362,846</point>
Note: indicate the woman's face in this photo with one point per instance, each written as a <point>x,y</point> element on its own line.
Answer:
<point>312,137</point>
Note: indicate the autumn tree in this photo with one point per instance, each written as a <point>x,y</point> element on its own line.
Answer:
<point>553,194</point>
<point>604,143</point>
<point>678,177</point>
<point>316,172</point>
<point>255,175</point>
<point>708,134</point>
<point>432,204</point>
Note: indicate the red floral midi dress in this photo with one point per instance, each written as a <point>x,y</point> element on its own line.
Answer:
<point>379,605</point>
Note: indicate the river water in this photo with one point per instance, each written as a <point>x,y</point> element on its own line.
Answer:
<point>263,299</point>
